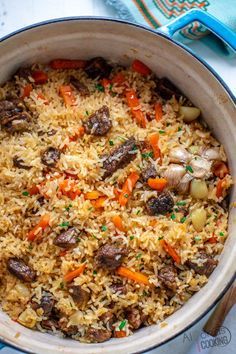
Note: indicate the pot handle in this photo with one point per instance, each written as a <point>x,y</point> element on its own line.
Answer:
<point>209,21</point>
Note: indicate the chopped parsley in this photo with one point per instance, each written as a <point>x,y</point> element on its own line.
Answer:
<point>95,272</point>
<point>138,212</point>
<point>197,238</point>
<point>30,247</point>
<point>62,285</point>
<point>78,239</point>
<point>68,207</point>
<point>183,219</point>
<point>122,325</point>
<point>145,293</point>
<point>139,255</point>
<point>160,238</point>
<point>64,224</point>
<point>87,113</point>
<point>99,87</point>
<point>173,217</point>
<point>25,193</point>
<point>221,234</point>
<point>181,203</point>
<point>131,237</point>
<point>110,87</point>
<point>146,155</point>
<point>111,143</point>
<point>179,129</point>
<point>162,132</point>
<point>126,195</point>
<point>94,237</point>
<point>104,228</point>
<point>90,209</point>
<point>189,169</point>
<point>121,138</point>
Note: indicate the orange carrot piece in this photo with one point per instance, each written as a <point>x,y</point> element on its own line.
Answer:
<point>171,251</point>
<point>128,188</point>
<point>119,334</point>
<point>99,203</point>
<point>136,276</point>
<point>67,94</point>
<point>74,273</point>
<point>158,111</point>
<point>92,195</point>
<point>42,97</point>
<point>78,134</point>
<point>153,140</point>
<point>63,253</point>
<point>140,67</point>
<point>220,169</point>
<point>212,239</point>
<point>69,188</point>
<point>220,188</point>
<point>34,189</point>
<point>118,79</point>
<point>39,76</point>
<point>157,183</point>
<point>105,83</point>
<point>26,91</point>
<point>117,221</point>
<point>42,224</point>
<point>67,64</point>
<point>133,103</point>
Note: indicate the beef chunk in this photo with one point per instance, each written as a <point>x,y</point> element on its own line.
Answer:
<point>118,288</point>
<point>49,324</point>
<point>148,172</point>
<point>47,303</point>
<point>110,256</point>
<point>80,296</point>
<point>24,73</point>
<point>22,271</point>
<point>167,276</point>
<point>99,122</point>
<point>135,317</point>
<point>96,335</point>
<point>50,156</point>
<point>204,265</point>
<point>108,318</point>
<point>98,68</point>
<point>67,330</point>
<point>80,87</point>
<point>166,89</point>
<point>120,157</point>
<point>14,116</point>
<point>67,239</point>
<point>19,163</point>
<point>161,204</point>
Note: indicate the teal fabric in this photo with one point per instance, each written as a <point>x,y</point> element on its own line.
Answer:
<point>155,13</point>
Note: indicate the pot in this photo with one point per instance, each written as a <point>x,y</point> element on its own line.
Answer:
<point>121,42</point>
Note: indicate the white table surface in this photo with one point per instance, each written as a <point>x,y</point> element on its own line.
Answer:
<point>15,14</point>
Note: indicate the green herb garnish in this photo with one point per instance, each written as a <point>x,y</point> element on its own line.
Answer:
<point>25,193</point>
<point>197,238</point>
<point>181,203</point>
<point>183,219</point>
<point>131,237</point>
<point>160,238</point>
<point>145,293</point>
<point>64,224</point>
<point>162,132</point>
<point>94,237</point>
<point>122,325</point>
<point>110,87</point>
<point>68,207</point>
<point>179,129</point>
<point>62,285</point>
<point>146,155</point>
<point>95,272</point>
<point>111,143</point>
<point>104,228</point>
<point>121,138</point>
<point>138,256</point>
<point>138,211</point>
<point>173,217</point>
<point>189,169</point>
<point>126,195</point>
<point>99,87</point>
<point>30,247</point>
<point>221,234</point>
<point>87,113</point>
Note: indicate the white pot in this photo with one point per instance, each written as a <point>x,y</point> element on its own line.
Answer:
<point>122,42</point>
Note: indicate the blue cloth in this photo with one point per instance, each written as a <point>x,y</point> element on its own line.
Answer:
<point>155,13</point>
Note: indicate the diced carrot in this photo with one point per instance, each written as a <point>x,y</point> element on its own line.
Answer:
<point>128,188</point>
<point>26,91</point>
<point>67,94</point>
<point>42,224</point>
<point>153,140</point>
<point>67,64</point>
<point>157,183</point>
<point>220,169</point>
<point>105,83</point>
<point>78,134</point>
<point>116,193</point>
<point>136,276</point>
<point>42,97</point>
<point>118,79</point>
<point>134,105</point>
<point>74,273</point>
<point>212,239</point>
<point>69,188</point>
<point>99,203</point>
<point>39,76</point>
<point>34,189</point>
<point>140,67</point>
<point>158,111</point>
<point>92,195</point>
<point>63,253</point>
<point>171,251</point>
<point>153,222</point>
<point>220,188</point>
<point>119,334</point>
<point>117,221</point>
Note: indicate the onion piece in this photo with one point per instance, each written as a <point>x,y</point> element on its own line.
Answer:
<point>180,155</point>
<point>211,154</point>
<point>189,113</point>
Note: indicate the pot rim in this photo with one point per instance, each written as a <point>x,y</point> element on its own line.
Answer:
<point>157,32</point>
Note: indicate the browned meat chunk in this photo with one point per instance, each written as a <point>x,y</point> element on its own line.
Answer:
<point>67,239</point>
<point>134,317</point>
<point>21,270</point>
<point>167,276</point>
<point>67,330</point>
<point>49,324</point>
<point>14,116</point>
<point>110,256</point>
<point>148,172</point>
<point>24,73</point>
<point>204,265</point>
<point>50,156</point>
<point>98,68</point>
<point>99,122</point>
<point>166,89</point>
<point>108,319</point>
<point>80,296</point>
<point>120,157</point>
<point>80,87</point>
<point>118,288</point>
<point>19,163</point>
<point>161,204</point>
<point>96,335</point>
<point>47,303</point>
